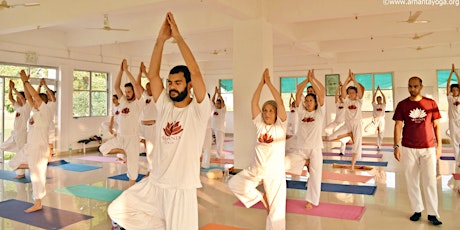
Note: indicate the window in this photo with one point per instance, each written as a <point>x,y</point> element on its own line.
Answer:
<point>90,93</point>
<point>371,81</point>
<point>443,75</point>
<point>288,86</point>
<point>226,90</point>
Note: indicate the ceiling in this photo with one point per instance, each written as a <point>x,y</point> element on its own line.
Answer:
<point>304,31</point>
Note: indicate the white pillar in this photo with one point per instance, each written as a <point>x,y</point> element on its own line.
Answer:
<point>253,52</point>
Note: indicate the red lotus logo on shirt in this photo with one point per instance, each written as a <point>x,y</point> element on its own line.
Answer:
<point>147,101</point>
<point>379,109</point>
<point>216,113</point>
<point>18,114</point>
<point>125,110</point>
<point>265,138</point>
<point>308,119</point>
<point>117,112</point>
<point>456,103</point>
<point>341,107</point>
<point>172,128</point>
<point>31,121</point>
<point>352,107</point>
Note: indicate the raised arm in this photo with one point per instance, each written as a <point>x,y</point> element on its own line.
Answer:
<point>452,71</point>
<point>10,93</point>
<point>255,108</point>
<point>374,94</point>
<point>222,102</point>
<point>299,89</point>
<point>343,93</point>
<point>156,84</point>
<point>318,87</point>
<point>383,96</point>
<point>213,99</point>
<point>199,87</point>
<point>142,70</point>
<point>137,87</point>
<point>337,96</point>
<point>358,85</point>
<point>49,93</point>
<point>281,112</point>
<point>117,83</point>
<point>32,96</point>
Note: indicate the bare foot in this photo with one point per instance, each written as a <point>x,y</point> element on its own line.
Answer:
<point>148,174</point>
<point>308,205</point>
<point>352,169</point>
<point>20,176</point>
<point>36,207</point>
<point>132,182</point>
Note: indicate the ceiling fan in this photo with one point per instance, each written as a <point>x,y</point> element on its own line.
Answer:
<point>107,26</point>
<point>413,18</point>
<point>4,5</point>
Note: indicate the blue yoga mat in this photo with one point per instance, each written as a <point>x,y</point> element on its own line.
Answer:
<point>368,163</point>
<point>77,167</point>
<point>58,162</point>
<point>212,167</point>
<point>9,175</point>
<point>47,218</point>
<point>124,177</point>
<point>448,158</point>
<point>369,149</point>
<point>91,192</point>
<point>328,187</point>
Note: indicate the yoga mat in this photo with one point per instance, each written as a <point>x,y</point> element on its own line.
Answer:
<point>212,167</point>
<point>100,159</point>
<point>124,177</point>
<point>77,167</point>
<point>328,187</point>
<point>456,176</point>
<point>384,144</point>
<point>58,162</point>
<point>212,226</point>
<point>330,154</point>
<point>9,175</point>
<point>91,192</point>
<point>362,167</point>
<point>448,150</point>
<point>339,211</point>
<point>370,149</point>
<point>222,161</point>
<point>346,177</point>
<point>369,163</point>
<point>447,158</point>
<point>47,218</point>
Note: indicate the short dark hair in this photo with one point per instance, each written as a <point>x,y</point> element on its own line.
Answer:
<point>44,97</point>
<point>454,86</point>
<point>353,88</point>
<point>115,96</point>
<point>182,69</point>
<point>23,94</point>
<point>419,79</point>
<point>129,85</point>
<point>379,97</point>
<point>314,98</point>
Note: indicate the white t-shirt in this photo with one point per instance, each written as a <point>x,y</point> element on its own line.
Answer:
<point>453,108</point>
<point>218,118</point>
<point>176,162</point>
<point>339,112</point>
<point>52,105</point>
<point>379,110</point>
<point>149,111</point>
<point>270,148</point>
<point>39,122</point>
<point>22,115</point>
<point>128,121</point>
<point>309,133</point>
<point>353,110</point>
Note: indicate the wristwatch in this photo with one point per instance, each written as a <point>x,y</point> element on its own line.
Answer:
<point>395,146</point>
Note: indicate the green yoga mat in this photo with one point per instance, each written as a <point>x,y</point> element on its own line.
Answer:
<point>92,192</point>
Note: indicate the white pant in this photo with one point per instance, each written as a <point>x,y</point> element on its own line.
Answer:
<point>294,164</point>
<point>421,163</point>
<point>109,145</point>
<point>147,206</point>
<point>454,129</point>
<point>220,137</point>
<point>332,127</point>
<point>130,143</point>
<point>36,156</point>
<point>377,124</point>
<point>244,186</point>
<point>354,127</point>
<point>15,142</point>
<point>207,145</point>
<point>148,133</point>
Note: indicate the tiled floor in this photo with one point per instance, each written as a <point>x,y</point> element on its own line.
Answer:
<point>388,209</point>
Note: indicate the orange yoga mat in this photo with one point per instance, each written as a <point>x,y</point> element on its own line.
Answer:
<point>212,226</point>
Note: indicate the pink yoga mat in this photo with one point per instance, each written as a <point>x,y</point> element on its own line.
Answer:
<point>100,159</point>
<point>339,211</point>
<point>456,176</point>
<point>343,177</point>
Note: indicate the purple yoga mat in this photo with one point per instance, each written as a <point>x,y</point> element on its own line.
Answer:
<point>330,154</point>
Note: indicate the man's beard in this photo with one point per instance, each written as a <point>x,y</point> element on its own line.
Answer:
<point>180,95</point>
